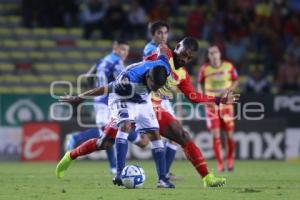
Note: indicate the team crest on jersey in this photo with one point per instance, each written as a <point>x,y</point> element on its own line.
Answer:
<point>125,80</point>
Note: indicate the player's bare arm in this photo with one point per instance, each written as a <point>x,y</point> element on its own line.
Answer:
<point>75,100</point>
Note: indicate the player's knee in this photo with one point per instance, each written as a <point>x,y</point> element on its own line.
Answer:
<point>186,136</point>
<point>216,132</point>
<point>125,126</point>
<point>180,135</point>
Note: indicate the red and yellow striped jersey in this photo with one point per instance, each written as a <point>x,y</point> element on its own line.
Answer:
<point>180,79</point>
<point>217,79</point>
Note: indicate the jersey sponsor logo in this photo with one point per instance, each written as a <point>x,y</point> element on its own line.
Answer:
<point>23,110</point>
<point>40,142</point>
<point>217,74</point>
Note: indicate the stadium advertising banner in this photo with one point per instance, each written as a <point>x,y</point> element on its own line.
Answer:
<point>285,106</point>
<point>263,140</point>
<point>17,109</point>
<point>41,141</point>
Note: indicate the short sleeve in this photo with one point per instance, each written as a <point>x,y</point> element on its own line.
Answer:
<point>233,73</point>
<point>201,75</point>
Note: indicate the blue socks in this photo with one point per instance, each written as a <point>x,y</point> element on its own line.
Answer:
<point>171,150</point>
<point>121,148</point>
<point>133,136</point>
<point>158,153</point>
<point>110,152</point>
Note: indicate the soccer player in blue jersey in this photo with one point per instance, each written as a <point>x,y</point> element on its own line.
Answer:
<point>130,104</point>
<point>159,32</point>
<point>106,70</point>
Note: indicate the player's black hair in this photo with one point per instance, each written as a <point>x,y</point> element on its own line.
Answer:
<point>214,44</point>
<point>159,75</point>
<point>121,41</point>
<point>156,25</point>
<point>190,43</point>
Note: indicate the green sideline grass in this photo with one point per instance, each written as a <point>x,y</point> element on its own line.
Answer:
<point>92,181</point>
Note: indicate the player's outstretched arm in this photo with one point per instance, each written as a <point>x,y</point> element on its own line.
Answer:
<point>189,91</point>
<point>75,100</point>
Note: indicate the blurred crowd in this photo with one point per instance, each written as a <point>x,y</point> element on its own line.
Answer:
<point>261,37</point>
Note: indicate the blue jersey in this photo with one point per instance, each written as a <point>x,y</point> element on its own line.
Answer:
<point>149,49</point>
<point>131,84</point>
<point>108,70</point>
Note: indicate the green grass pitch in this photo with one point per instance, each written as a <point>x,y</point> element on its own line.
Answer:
<point>91,180</point>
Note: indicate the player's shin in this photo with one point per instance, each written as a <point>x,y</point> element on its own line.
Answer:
<point>158,153</point>
<point>121,148</point>
<point>195,156</point>
<point>171,150</point>
<point>84,149</point>
<point>217,147</point>
<point>230,153</point>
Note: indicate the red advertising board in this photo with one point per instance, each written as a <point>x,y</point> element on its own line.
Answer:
<point>41,141</point>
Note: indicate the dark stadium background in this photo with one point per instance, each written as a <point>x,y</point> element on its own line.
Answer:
<point>42,42</point>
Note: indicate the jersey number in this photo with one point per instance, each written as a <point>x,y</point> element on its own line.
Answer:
<point>121,105</point>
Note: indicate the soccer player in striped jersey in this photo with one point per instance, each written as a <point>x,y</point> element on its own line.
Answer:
<point>215,78</point>
<point>170,128</point>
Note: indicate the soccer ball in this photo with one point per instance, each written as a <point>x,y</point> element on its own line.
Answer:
<point>133,176</point>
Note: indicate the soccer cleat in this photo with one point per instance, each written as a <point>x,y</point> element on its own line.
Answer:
<point>63,165</point>
<point>164,183</point>
<point>117,181</point>
<point>230,169</point>
<point>211,180</point>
